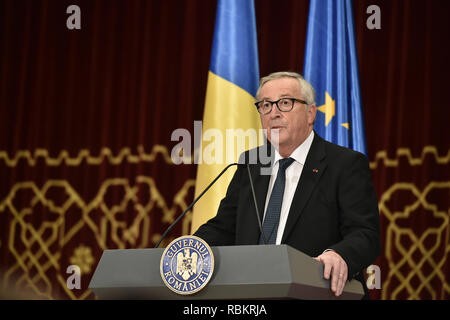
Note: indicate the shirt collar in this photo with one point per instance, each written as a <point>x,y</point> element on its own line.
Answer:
<point>300,153</point>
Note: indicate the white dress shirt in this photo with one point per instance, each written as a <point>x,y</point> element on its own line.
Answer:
<point>293,173</point>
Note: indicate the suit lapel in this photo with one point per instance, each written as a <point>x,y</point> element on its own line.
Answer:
<point>313,169</point>
<point>264,170</point>
<point>261,187</point>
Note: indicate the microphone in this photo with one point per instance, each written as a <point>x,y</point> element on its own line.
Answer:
<point>256,205</point>
<point>204,191</point>
<point>192,204</point>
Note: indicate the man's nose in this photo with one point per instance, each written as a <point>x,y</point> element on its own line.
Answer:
<point>275,112</point>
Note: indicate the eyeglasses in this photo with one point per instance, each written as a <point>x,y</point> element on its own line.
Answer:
<point>283,104</point>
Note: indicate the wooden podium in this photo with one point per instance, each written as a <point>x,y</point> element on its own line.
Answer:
<point>240,272</point>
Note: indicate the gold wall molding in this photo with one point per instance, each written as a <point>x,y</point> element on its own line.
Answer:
<point>124,155</point>
<point>382,156</point>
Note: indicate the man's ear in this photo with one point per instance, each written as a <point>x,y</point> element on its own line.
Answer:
<point>311,112</point>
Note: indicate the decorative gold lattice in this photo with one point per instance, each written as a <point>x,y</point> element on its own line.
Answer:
<point>33,247</point>
<point>417,242</point>
<point>408,251</point>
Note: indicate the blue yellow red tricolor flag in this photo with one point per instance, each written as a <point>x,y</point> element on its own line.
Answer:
<point>331,66</point>
<point>233,79</point>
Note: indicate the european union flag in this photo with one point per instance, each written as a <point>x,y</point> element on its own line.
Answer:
<point>331,66</point>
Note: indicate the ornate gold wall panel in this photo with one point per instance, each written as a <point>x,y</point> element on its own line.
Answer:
<point>407,248</point>
<point>38,249</point>
<point>51,226</point>
<point>415,217</point>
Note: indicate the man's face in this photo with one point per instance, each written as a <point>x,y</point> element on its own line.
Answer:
<point>294,126</point>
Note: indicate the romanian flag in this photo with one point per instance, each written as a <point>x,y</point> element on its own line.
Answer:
<point>233,80</point>
<point>331,66</point>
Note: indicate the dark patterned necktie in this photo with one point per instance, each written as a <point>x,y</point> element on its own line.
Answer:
<point>272,218</point>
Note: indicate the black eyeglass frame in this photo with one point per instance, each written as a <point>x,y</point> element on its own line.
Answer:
<point>276,103</point>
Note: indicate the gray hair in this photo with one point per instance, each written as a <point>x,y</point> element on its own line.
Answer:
<point>306,88</point>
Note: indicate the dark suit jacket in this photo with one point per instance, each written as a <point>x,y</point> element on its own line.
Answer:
<point>334,207</point>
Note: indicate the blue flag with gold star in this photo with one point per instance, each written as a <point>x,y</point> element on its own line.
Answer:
<point>331,66</point>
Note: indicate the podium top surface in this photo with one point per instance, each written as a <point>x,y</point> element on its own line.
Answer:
<point>241,272</point>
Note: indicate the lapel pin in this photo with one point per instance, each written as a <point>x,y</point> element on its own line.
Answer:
<point>315,170</point>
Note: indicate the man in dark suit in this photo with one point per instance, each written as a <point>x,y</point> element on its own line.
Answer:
<point>318,197</point>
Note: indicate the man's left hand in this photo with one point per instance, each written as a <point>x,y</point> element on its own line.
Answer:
<point>335,267</point>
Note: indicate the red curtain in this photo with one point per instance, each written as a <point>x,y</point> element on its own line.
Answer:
<point>87,115</point>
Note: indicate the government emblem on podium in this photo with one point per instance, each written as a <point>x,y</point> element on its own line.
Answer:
<point>187,265</point>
